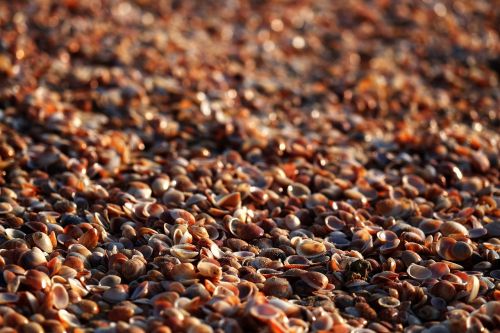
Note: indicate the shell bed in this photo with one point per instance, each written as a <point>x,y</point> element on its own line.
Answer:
<point>249,166</point>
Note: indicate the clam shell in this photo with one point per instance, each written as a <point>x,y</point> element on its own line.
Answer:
<point>419,272</point>
<point>388,302</point>
<point>310,248</point>
<point>450,227</point>
<point>42,241</point>
<point>315,280</point>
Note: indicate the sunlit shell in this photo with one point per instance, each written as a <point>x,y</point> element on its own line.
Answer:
<point>387,236</point>
<point>5,208</point>
<point>42,241</point>
<point>229,201</point>
<point>89,239</point>
<point>183,271</point>
<point>160,185</point>
<point>139,190</point>
<point>430,226</point>
<point>32,258</point>
<point>473,286</point>
<point>209,270</point>
<point>36,280</point>
<point>61,298</point>
<point>419,272</point>
<point>249,231</point>
<point>184,251</point>
<point>310,248</point>
<point>449,249</point>
<point>450,228</point>
<point>292,222</point>
<point>68,318</point>
<point>439,269</point>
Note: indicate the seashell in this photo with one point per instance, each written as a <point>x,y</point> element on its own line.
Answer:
<point>410,257</point>
<point>36,280</point>
<point>315,280</point>
<point>116,294</point>
<point>42,241</point>
<point>450,249</point>
<point>110,281</point>
<point>249,231</point>
<point>449,228</point>
<point>387,236</point>
<point>14,234</point>
<point>160,185</point>
<point>133,269</point>
<point>473,286</point>
<point>60,295</point>
<point>5,208</point>
<point>439,269</point>
<point>183,271</point>
<point>229,201</point>
<point>334,223</point>
<point>419,272</point>
<point>68,318</point>
<point>277,287</point>
<point>292,222</point>
<point>444,289</point>
<point>7,298</point>
<point>265,312</point>
<point>173,197</point>
<point>493,229</point>
<point>389,246</point>
<point>32,258</point>
<point>316,200</point>
<point>139,190</point>
<point>430,226</point>
<point>388,302</point>
<point>174,215</point>
<point>298,190</point>
<point>184,251</point>
<point>310,248</point>
<point>296,261</point>
<point>477,233</point>
<point>495,274</point>
<point>209,270</point>
<point>89,239</point>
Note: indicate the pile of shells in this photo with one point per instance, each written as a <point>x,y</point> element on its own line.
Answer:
<point>249,166</point>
